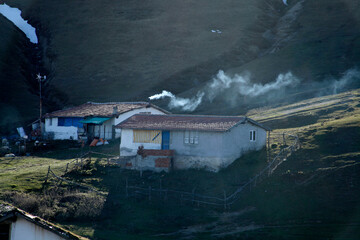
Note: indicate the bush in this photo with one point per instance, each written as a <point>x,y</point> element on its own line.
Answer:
<point>60,206</point>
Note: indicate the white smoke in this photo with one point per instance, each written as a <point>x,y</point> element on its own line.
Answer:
<point>243,86</point>
<point>186,104</point>
<point>349,77</point>
<point>238,85</point>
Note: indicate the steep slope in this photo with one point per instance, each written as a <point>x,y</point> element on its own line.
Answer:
<point>128,50</point>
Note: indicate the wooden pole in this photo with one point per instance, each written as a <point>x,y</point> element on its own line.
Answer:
<point>67,166</point>
<point>149,193</point>
<point>284,141</point>
<point>46,178</point>
<point>126,188</point>
<point>269,147</point>
<point>47,175</point>
<point>250,185</point>
<point>160,188</point>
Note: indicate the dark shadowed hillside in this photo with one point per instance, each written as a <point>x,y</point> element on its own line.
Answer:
<point>130,49</point>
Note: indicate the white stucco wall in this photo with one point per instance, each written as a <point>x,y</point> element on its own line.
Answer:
<point>129,148</point>
<point>22,229</point>
<point>60,132</point>
<point>126,115</point>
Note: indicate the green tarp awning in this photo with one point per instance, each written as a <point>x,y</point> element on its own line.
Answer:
<point>94,120</point>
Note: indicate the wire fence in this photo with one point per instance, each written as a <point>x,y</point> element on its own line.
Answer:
<point>226,200</point>
<point>76,164</point>
<point>192,197</point>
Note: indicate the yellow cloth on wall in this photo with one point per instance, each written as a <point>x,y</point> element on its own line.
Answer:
<point>147,136</point>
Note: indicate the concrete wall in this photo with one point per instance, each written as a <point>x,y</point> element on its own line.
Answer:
<point>60,132</point>
<point>22,229</point>
<point>215,150</point>
<point>237,140</point>
<point>152,163</point>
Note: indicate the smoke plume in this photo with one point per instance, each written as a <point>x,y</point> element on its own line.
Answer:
<point>186,104</point>
<point>243,86</point>
<point>238,85</point>
<point>349,78</point>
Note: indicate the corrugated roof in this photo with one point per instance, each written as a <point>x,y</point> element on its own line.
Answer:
<point>184,122</point>
<point>101,109</point>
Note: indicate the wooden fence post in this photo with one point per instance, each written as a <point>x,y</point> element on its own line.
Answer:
<point>149,193</point>
<point>250,185</point>
<point>269,147</point>
<point>284,140</point>
<point>46,178</point>
<point>126,188</point>
<point>67,166</point>
<point>160,188</point>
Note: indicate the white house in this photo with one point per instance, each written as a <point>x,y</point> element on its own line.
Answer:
<point>94,119</point>
<point>16,224</point>
<point>210,142</point>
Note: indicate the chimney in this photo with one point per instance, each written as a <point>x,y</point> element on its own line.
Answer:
<point>115,110</point>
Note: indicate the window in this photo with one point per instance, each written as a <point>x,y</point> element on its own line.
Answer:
<point>252,136</point>
<point>191,137</point>
<point>61,121</point>
<point>50,121</point>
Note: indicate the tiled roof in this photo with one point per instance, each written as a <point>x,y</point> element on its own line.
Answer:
<point>100,109</point>
<point>184,122</point>
<point>8,211</point>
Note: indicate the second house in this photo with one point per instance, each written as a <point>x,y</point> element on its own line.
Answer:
<point>92,119</point>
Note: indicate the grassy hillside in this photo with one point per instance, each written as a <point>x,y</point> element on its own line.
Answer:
<point>129,50</point>
<point>314,194</point>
